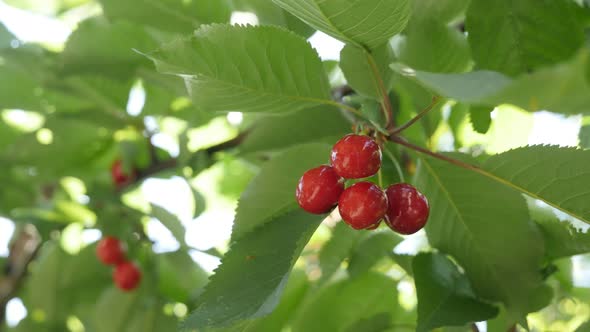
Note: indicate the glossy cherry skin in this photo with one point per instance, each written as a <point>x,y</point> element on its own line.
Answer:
<point>127,276</point>
<point>362,205</point>
<point>118,174</point>
<point>408,209</point>
<point>319,189</point>
<point>110,251</point>
<point>356,157</point>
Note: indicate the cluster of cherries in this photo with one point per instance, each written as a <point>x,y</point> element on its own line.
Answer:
<point>364,204</point>
<point>112,252</point>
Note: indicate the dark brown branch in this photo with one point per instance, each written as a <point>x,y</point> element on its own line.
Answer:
<point>158,166</point>
<point>23,251</point>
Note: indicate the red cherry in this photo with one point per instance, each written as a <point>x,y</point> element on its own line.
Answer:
<point>318,189</point>
<point>356,156</point>
<point>408,209</point>
<point>110,251</point>
<point>118,174</point>
<point>362,205</point>
<point>127,276</point>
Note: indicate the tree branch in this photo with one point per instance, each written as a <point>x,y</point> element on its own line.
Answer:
<point>401,141</point>
<point>22,252</point>
<point>158,166</point>
<point>419,116</point>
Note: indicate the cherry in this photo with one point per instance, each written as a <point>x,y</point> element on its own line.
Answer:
<point>127,276</point>
<point>362,205</point>
<point>110,251</point>
<point>408,209</point>
<point>318,189</point>
<point>118,174</point>
<point>356,156</point>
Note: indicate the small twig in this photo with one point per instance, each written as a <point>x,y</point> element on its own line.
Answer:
<point>232,143</point>
<point>22,252</point>
<point>158,166</point>
<point>396,163</point>
<point>401,141</point>
<point>419,116</point>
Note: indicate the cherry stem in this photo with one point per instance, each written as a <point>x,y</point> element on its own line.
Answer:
<point>419,116</point>
<point>401,141</point>
<point>385,102</point>
<point>397,165</point>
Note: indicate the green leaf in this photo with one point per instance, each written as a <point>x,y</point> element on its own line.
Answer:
<point>22,72</point>
<point>247,69</point>
<point>272,191</point>
<point>273,133</point>
<point>56,273</point>
<point>45,283</point>
<point>169,221</point>
<point>492,244</point>
<point>48,7</point>
<point>504,35</point>
<point>151,318</point>
<point>562,239</point>
<point>293,295</point>
<point>584,327</point>
<point>360,68</point>
<point>79,145</point>
<point>253,273</point>
<point>371,110</point>
<point>364,23</point>
<point>584,135</point>
<point>340,305</point>
<point>269,13</point>
<point>6,37</point>
<point>114,309</point>
<point>456,122</point>
<point>380,322</point>
<point>433,46</point>
<point>445,11</point>
<point>168,15</point>
<point>445,297</point>
<point>562,88</point>
<point>557,176</point>
<point>337,249</point>
<point>481,118</point>
<point>85,50</point>
<point>179,276</point>
<point>372,248</point>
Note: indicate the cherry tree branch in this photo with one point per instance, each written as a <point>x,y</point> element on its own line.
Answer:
<point>23,251</point>
<point>401,141</point>
<point>158,166</point>
<point>419,116</point>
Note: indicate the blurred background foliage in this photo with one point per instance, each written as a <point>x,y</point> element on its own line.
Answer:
<point>75,97</point>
